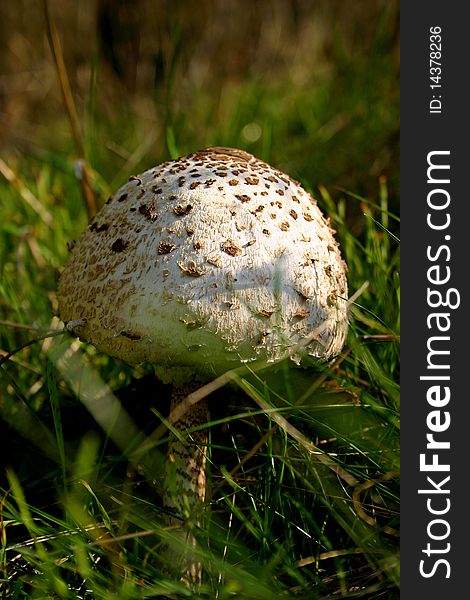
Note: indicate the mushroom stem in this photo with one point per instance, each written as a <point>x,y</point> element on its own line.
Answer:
<point>185,479</point>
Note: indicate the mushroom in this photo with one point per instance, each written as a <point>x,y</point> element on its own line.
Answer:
<point>201,264</point>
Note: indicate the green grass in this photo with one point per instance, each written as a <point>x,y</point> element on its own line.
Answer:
<point>304,462</point>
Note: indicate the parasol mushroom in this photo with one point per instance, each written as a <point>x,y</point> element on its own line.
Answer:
<point>201,264</point>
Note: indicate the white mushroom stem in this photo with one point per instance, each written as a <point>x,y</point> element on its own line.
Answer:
<point>185,479</point>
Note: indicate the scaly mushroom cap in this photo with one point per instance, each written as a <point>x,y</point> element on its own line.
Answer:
<point>204,262</point>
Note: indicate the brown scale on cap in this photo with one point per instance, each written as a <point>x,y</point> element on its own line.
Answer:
<point>215,152</point>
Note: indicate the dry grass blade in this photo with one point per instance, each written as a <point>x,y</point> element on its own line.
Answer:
<point>358,505</point>
<point>56,49</point>
<point>180,410</point>
<point>14,325</point>
<point>284,424</point>
<point>309,560</point>
<point>25,193</point>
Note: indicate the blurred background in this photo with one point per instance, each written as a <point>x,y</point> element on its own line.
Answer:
<point>311,86</point>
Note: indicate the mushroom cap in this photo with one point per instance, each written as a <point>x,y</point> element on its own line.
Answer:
<point>205,262</point>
